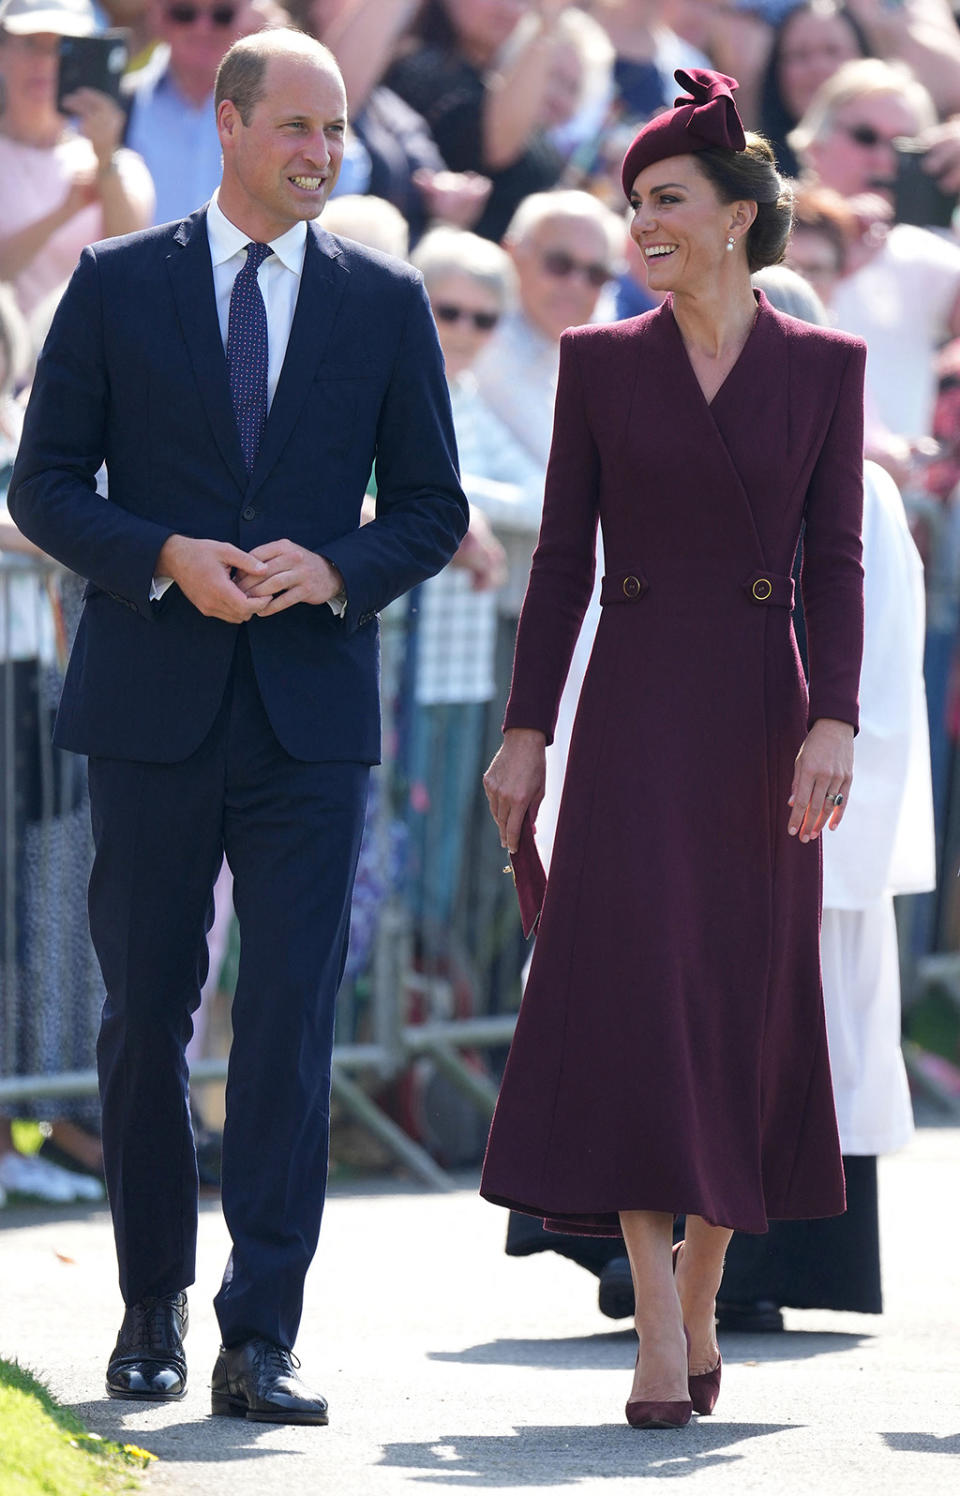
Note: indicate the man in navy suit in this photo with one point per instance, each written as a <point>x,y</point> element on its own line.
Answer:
<point>240,373</point>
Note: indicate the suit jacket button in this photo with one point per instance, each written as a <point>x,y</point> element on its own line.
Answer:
<point>248,513</point>
<point>631,586</point>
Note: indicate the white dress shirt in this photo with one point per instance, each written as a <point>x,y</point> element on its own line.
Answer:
<point>279,280</point>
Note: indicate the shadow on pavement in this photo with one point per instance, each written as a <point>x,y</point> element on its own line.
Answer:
<point>600,1352</point>
<point>922,1443</point>
<point>790,1345</point>
<point>558,1456</point>
<point>196,1440</point>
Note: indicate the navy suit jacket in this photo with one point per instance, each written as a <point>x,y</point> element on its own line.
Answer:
<point>133,372</point>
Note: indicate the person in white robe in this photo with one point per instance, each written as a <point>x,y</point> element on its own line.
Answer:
<point>885,844</point>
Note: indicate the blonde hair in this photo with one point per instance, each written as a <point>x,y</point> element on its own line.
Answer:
<point>542,207</point>
<point>449,251</point>
<point>370,220</point>
<point>863,77</point>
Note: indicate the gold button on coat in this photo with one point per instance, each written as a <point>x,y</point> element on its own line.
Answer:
<point>631,586</point>
<point>762,589</point>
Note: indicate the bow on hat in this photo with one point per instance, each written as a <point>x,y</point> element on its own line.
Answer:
<point>704,117</point>
<point>714,118</point>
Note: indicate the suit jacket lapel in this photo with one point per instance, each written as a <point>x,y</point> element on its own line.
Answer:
<point>322,284</point>
<point>191,274</point>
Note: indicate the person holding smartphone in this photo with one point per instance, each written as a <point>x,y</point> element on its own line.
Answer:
<point>172,120</point>
<point>65,180</point>
<point>902,292</point>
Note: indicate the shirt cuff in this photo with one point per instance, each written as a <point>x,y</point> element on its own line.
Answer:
<point>158,587</point>
<point>338,604</point>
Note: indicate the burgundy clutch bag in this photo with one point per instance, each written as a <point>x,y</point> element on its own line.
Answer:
<point>529,877</point>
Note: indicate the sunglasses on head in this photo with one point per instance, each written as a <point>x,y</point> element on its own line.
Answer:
<point>865,135</point>
<point>557,262</point>
<point>445,311</point>
<point>189,15</point>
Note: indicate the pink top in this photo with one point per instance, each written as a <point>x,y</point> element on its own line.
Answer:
<point>33,182</point>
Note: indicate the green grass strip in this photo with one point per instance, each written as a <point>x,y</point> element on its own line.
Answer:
<point>46,1451</point>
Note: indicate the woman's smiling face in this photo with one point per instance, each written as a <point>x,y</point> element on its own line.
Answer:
<point>680,225</point>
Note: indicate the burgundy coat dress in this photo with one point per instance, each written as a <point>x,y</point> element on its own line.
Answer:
<point>670,1052</point>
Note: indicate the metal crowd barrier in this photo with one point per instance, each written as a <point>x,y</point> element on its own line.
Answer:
<point>377,1039</point>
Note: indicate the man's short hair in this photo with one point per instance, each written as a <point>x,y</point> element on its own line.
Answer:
<point>240,76</point>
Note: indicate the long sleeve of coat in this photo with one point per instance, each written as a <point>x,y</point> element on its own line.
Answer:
<point>832,577</point>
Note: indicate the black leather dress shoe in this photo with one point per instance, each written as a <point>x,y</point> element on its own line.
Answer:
<point>258,1380</point>
<point>615,1295</point>
<point>148,1363</point>
<point>761,1317</point>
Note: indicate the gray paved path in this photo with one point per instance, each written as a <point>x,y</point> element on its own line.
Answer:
<point>449,1366</point>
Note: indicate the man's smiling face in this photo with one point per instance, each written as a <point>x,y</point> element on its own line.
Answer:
<point>280,166</point>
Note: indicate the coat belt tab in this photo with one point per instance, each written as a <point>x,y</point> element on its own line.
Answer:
<point>626,586</point>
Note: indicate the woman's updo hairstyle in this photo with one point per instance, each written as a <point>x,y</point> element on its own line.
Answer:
<point>751,175</point>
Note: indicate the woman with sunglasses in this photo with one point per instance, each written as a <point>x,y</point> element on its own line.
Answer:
<point>64,181</point>
<point>470,283</point>
<point>670,1056</point>
<point>901,292</point>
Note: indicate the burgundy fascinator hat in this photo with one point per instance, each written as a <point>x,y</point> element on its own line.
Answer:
<point>704,117</point>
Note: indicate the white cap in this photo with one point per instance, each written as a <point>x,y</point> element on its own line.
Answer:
<point>57,17</point>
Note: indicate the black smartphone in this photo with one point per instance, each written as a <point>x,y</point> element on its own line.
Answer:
<point>917,196</point>
<point>92,62</point>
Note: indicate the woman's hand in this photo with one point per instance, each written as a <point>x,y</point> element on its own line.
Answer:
<point>515,781</point>
<point>454,197</point>
<point>481,554</point>
<point>942,154</point>
<point>821,779</point>
<point>100,119</point>
<point>81,192</point>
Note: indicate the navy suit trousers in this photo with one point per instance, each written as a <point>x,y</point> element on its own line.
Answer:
<point>291,832</point>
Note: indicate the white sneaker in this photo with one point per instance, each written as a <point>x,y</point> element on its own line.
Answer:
<point>23,1174</point>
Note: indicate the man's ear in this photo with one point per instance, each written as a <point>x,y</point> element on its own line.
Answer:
<point>228,119</point>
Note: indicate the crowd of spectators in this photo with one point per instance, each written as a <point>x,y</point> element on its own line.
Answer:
<point>485,141</point>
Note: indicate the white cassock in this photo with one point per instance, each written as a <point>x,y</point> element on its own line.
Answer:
<point>569,701</point>
<point>885,843</point>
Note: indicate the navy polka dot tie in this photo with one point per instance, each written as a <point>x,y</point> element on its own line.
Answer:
<point>247,353</point>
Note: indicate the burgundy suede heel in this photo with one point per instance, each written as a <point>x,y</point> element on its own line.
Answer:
<point>642,1414</point>
<point>658,1414</point>
<point>705,1386</point>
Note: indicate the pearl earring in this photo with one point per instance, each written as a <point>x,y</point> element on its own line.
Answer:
<point>730,243</point>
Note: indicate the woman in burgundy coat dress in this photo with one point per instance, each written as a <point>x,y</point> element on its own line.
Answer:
<point>670,1054</point>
